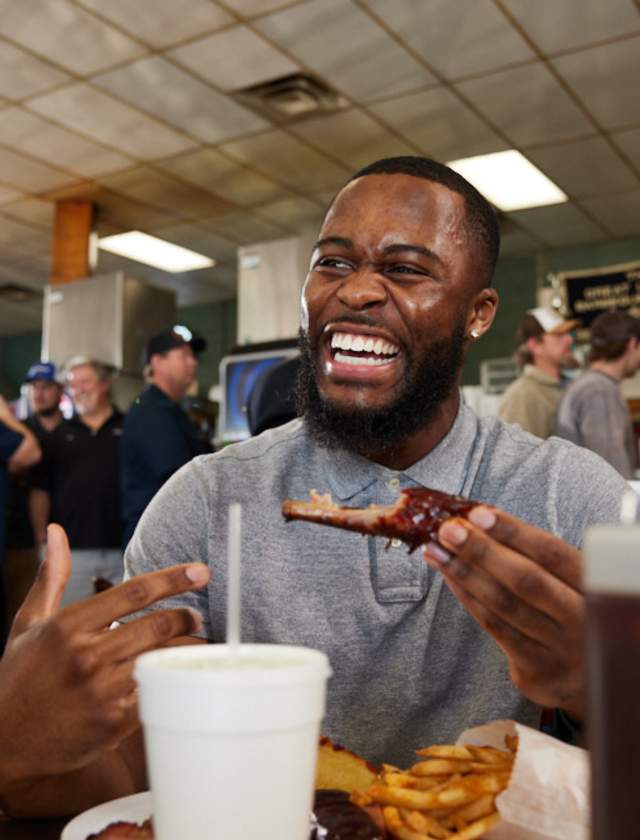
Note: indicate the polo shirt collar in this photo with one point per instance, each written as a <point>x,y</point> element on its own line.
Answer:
<point>444,468</point>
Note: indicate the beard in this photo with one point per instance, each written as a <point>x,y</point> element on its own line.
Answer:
<point>370,432</point>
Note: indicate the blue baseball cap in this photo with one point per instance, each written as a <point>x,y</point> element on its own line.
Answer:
<point>45,371</point>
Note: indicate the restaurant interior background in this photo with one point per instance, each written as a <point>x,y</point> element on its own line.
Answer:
<point>223,125</point>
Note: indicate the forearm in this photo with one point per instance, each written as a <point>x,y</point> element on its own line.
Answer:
<point>69,793</point>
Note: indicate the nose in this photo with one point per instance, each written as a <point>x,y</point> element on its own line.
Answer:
<point>362,289</point>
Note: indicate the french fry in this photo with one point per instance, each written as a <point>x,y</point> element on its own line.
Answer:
<point>449,795</point>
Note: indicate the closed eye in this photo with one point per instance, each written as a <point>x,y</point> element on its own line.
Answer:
<point>336,263</point>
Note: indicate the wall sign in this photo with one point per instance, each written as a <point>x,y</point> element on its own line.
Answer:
<point>590,292</point>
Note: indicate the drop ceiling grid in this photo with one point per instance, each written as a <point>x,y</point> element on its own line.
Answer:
<point>279,208</point>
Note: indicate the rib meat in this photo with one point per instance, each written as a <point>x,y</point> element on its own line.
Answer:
<point>414,518</point>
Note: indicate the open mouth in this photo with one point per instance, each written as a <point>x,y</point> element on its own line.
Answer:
<point>357,349</point>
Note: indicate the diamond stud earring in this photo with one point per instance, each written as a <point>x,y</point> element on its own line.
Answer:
<point>475,333</point>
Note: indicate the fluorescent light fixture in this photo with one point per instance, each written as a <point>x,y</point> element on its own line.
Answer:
<point>508,180</point>
<point>159,253</point>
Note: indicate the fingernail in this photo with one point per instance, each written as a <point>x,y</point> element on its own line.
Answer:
<point>483,517</point>
<point>197,619</point>
<point>437,552</point>
<point>454,533</point>
<point>197,573</point>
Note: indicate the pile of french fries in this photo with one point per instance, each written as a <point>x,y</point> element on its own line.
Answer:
<point>450,793</point>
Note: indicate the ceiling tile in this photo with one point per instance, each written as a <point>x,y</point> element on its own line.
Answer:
<point>452,37</point>
<point>21,74</point>
<point>126,213</point>
<point>20,236</point>
<point>246,228</point>
<point>158,87</point>
<point>30,175</point>
<point>629,142</point>
<point>214,172</point>
<point>618,213</point>
<point>528,104</point>
<point>573,23</point>
<point>200,240</point>
<point>365,67</point>
<point>163,191</point>
<point>234,59</point>
<point>248,8</point>
<point>40,138</point>
<point>106,120</point>
<point>8,194</point>
<point>606,78</point>
<point>440,123</point>
<point>559,224</point>
<point>352,137</point>
<point>294,213</point>
<point>584,167</point>
<point>287,160</point>
<point>33,210</point>
<point>66,34</point>
<point>162,22</point>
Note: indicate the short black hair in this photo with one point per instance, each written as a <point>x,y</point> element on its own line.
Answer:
<point>610,334</point>
<point>481,218</point>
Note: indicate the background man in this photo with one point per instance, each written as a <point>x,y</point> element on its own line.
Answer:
<point>78,483</point>
<point>158,435</point>
<point>18,450</point>
<point>492,625</point>
<point>545,341</point>
<point>44,392</point>
<point>593,412</point>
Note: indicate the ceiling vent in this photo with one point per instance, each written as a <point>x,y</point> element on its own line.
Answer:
<point>294,97</point>
<point>14,293</point>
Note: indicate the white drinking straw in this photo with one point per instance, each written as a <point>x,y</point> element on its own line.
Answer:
<point>233,582</point>
<point>629,508</point>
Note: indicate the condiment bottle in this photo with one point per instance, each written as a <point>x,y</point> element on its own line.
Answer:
<point>612,584</point>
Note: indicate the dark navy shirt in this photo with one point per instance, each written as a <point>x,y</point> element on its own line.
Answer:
<point>158,439</point>
<point>9,442</point>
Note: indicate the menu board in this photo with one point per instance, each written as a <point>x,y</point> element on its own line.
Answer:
<point>590,292</point>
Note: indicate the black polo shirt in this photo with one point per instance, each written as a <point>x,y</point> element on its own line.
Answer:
<point>158,439</point>
<point>81,471</point>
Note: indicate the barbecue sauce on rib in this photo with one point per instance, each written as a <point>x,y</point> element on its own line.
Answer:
<point>419,520</point>
<point>335,818</point>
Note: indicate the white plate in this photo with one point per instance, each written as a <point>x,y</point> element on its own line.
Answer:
<point>135,808</point>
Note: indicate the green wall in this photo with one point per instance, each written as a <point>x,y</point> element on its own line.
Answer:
<point>516,280</point>
<point>17,353</point>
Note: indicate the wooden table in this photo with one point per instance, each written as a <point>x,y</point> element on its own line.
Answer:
<point>31,829</point>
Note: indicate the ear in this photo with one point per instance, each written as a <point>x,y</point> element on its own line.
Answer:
<point>481,313</point>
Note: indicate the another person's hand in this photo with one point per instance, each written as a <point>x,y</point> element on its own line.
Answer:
<point>522,585</point>
<point>66,681</point>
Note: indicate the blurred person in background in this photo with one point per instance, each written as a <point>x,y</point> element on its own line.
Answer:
<point>544,348</point>
<point>158,435</point>
<point>19,450</point>
<point>593,412</point>
<point>272,401</point>
<point>77,484</point>
<point>44,394</point>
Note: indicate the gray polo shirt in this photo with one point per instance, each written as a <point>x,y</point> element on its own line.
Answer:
<point>410,665</point>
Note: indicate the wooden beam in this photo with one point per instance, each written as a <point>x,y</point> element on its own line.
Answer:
<point>71,233</point>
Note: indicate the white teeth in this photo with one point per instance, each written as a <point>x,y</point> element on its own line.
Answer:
<point>362,343</point>
<point>370,361</point>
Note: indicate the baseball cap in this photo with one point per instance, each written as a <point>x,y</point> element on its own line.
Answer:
<point>169,340</point>
<point>45,371</point>
<point>542,320</point>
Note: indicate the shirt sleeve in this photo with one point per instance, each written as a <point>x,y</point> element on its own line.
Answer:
<point>174,529</point>
<point>9,442</point>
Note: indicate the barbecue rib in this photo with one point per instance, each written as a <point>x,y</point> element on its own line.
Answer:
<point>414,518</point>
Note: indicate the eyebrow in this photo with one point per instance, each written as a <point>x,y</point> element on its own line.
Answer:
<point>399,247</point>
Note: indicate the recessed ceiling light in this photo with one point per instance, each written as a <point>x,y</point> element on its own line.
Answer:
<point>159,253</point>
<point>509,180</point>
